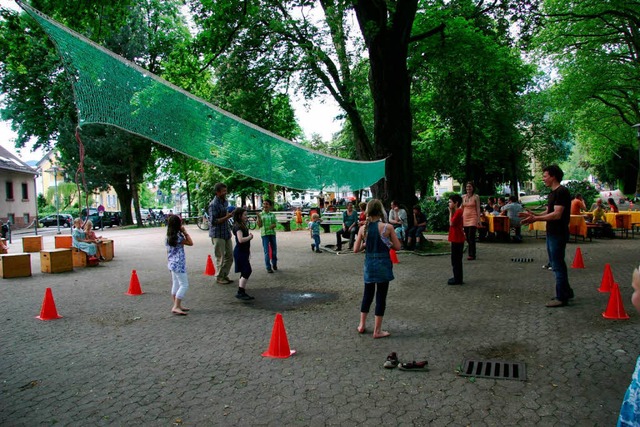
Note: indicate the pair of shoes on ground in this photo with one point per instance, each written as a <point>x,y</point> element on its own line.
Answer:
<point>244,296</point>
<point>101,258</point>
<point>471,258</point>
<point>393,362</point>
<point>313,249</point>
<point>269,270</point>
<point>547,267</point>
<point>223,280</point>
<point>453,281</point>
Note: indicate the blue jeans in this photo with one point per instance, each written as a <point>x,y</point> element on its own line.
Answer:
<point>266,241</point>
<point>316,242</point>
<point>556,246</point>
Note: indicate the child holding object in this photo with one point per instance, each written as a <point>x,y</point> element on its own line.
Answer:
<point>377,237</point>
<point>177,237</point>
<point>630,410</point>
<point>456,237</point>
<point>81,242</point>
<point>242,251</point>
<point>314,229</point>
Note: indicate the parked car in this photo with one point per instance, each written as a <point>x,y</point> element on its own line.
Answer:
<point>66,220</point>
<point>108,219</point>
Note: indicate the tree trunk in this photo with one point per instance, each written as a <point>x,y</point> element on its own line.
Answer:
<point>124,197</point>
<point>387,44</point>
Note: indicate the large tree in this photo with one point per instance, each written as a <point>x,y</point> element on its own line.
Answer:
<point>38,97</point>
<point>596,49</point>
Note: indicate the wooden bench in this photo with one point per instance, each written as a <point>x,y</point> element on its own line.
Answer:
<point>15,265</point>
<point>81,259</point>
<point>63,242</point>
<point>106,249</point>
<point>284,218</point>
<point>32,243</point>
<point>56,260</point>
<point>330,218</point>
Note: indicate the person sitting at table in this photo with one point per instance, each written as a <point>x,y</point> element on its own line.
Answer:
<point>600,219</point>
<point>612,205</point>
<point>483,229</point>
<point>511,210</point>
<point>398,219</point>
<point>80,241</point>
<point>577,205</point>
<point>349,227</point>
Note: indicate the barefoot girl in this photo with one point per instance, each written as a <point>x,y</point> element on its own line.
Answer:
<point>242,251</point>
<point>377,237</point>
<point>177,237</point>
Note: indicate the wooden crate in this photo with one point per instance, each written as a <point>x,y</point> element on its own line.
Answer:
<point>56,261</point>
<point>32,243</point>
<point>3,243</point>
<point>63,242</point>
<point>79,258</point>
<point>15,265</point>
<point>106,249</point>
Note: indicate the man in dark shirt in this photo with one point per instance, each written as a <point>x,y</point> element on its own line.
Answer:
<point>557,216</point>
<point>220,233</point>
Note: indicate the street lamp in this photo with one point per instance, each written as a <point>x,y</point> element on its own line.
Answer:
<point>54,169</point>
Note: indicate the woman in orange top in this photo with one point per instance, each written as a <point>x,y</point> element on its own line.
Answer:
<point>471,217</point>
<point>577,205</point>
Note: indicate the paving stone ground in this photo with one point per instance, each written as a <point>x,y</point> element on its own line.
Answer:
<point>115,359</point>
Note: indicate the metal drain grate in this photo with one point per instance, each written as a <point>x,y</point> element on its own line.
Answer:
<point>497,369</point>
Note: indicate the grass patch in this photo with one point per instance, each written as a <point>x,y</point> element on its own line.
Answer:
<point>434,247</point>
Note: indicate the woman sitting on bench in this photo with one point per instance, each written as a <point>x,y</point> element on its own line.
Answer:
<point>82,243</point>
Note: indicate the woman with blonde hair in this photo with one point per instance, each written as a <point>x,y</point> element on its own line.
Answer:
<point>377,237</point>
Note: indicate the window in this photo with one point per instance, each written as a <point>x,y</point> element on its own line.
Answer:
<point>9,190</point>
<point>25,191</point>
<point>11,218</point>
<point>26,218</point>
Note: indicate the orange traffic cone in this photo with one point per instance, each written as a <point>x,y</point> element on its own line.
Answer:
<point>577,261</point>
<point>134,285</point>
<point>279,345</point>
<point>615,308</point>
<point>607,279</point>
<point>48,310</point>
<point>394,256</point>
<point>209,270</point>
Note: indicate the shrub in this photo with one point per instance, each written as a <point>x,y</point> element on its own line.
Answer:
<point>436,212</point>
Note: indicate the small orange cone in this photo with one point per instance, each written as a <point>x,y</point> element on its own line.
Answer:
<point>209,270</point>
<point>134,285</point>
<point>394,256</point>
<point>279,345</point>
<point>48,310</point>
<point>607,279</point>
<point>615,308</point>
<point>577,261</point>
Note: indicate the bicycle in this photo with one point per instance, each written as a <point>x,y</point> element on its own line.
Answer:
<point>251,223</point>
<point>203,221</point>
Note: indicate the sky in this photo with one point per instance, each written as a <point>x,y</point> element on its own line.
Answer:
<point>317,116</point>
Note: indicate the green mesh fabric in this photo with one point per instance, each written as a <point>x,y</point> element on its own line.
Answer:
<point>110,90</point>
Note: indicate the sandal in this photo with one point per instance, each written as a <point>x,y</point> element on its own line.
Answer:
<point>415,366</point>
<point>392,361</point>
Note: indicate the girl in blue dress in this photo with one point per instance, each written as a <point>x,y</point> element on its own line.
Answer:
<point>177,237</point>
<point>377,237</point>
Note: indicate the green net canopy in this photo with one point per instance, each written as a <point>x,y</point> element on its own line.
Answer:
<point>110,90</point>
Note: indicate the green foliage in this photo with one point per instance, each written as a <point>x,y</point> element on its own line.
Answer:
<point>42,201</point>
<point>588,191</point>
<point>436,212</point>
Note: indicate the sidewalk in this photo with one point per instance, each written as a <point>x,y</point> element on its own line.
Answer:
<point>115,359</point>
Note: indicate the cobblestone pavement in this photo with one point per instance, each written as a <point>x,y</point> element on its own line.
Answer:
<point>115,359</point>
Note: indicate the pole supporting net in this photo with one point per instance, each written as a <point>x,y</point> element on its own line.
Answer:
<point>111,90</point>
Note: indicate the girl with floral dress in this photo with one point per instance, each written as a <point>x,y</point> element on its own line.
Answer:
<point>177,237</point>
